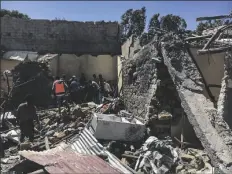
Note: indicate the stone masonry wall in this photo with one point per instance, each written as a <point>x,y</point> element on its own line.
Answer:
<point>60,36</point>
<point>139,81</point>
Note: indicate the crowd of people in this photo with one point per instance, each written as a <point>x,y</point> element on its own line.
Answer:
<point>81,90</point>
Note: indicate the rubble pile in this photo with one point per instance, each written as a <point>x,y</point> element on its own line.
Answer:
<point>31,77</point>
<point>156,156</point>
<point>153,156</point>
<point>194,161</point>
<point>55,128</point>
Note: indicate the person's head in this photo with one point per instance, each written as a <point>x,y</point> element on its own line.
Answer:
<point>29,99</point>
<point>57,78</point>
<point>94,76</point>
<point>74,78</point>
<point>82,74</point>
<point>100,76</point>
<point>64,76</point>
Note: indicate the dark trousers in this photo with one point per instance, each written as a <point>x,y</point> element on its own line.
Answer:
<point>74,96</point>
<point>27,130</point>
<point>61,101</point>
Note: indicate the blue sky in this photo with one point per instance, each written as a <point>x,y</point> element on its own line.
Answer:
<point>112,10</point>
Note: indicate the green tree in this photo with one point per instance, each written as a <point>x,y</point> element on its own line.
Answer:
<point>173,23</point>
<point>154,23</point>
<point>132,23</point>
<point>138,20</point>
<point>126,25</point>
<point>13,13</point>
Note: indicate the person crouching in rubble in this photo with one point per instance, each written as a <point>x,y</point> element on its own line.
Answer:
<point>26,114</point>
<point>59,89</point>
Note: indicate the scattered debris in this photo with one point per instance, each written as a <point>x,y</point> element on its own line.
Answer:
<point>156,156</point>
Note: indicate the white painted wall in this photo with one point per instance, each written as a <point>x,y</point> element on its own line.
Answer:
<point>70,64</point>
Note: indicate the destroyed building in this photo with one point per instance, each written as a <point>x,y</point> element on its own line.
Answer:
<point>170,87</point>
<point>171,78</point>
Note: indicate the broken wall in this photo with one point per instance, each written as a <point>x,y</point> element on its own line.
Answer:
<point>130,47</point>
<point>60,36</point>
<point>139,81</point>
<point>212,68</point>
<point>210,125</point>
<point>151,93</point>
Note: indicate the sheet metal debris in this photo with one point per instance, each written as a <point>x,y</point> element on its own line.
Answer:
<point>7,115</point>
<point>157,156</point>
<point>88,144</point>
<point>68,162</point>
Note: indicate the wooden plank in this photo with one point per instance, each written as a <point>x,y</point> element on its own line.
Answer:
<point>213,17</point>
<point>46,143</point>
<point>216,35</point>
<point>197,37</point>
<point>130,156</point>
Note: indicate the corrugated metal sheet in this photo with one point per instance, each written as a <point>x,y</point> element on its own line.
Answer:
<point>20,55</point>
<point>88,144</point>
<point>46,57</point>
<point>55,161</point>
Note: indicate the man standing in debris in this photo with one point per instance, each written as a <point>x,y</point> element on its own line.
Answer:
<point>101,88</point>
<point>59,89</point>
<point>74,86</point>
<point>26,114</point>
<point>95,79</point>
<point>93,90</point>
<point>107,88</point>
<point>82,80</point>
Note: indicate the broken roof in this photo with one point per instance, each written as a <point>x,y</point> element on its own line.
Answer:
<point>20,55</point>
<point>46,57</point>
<point>68,162</point>
<point>86,143</point>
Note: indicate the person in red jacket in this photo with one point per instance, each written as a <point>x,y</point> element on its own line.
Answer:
<point>59,89</point>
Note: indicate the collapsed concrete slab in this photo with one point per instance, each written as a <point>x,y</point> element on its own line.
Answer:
<point>225,97</point>
<point>210,128</point>
<point>112,127</point>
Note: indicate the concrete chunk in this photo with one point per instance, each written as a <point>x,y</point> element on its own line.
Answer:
<point>197,107</point>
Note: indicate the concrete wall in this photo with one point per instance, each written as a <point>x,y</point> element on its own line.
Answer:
<point>130,47</point>
<point>119,67</point>
<point>212,67</point>
<point>70,64</point>
<point>138,92</point>
<point>60,36</point>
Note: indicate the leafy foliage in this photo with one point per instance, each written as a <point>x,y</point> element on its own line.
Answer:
<point>13,13</point>
<point>154,23</point>
<point>169,23</point>
<point>173,23</point>
<point>133,23</point>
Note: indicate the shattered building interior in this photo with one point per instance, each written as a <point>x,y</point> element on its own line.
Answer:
<point>171,112</point>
